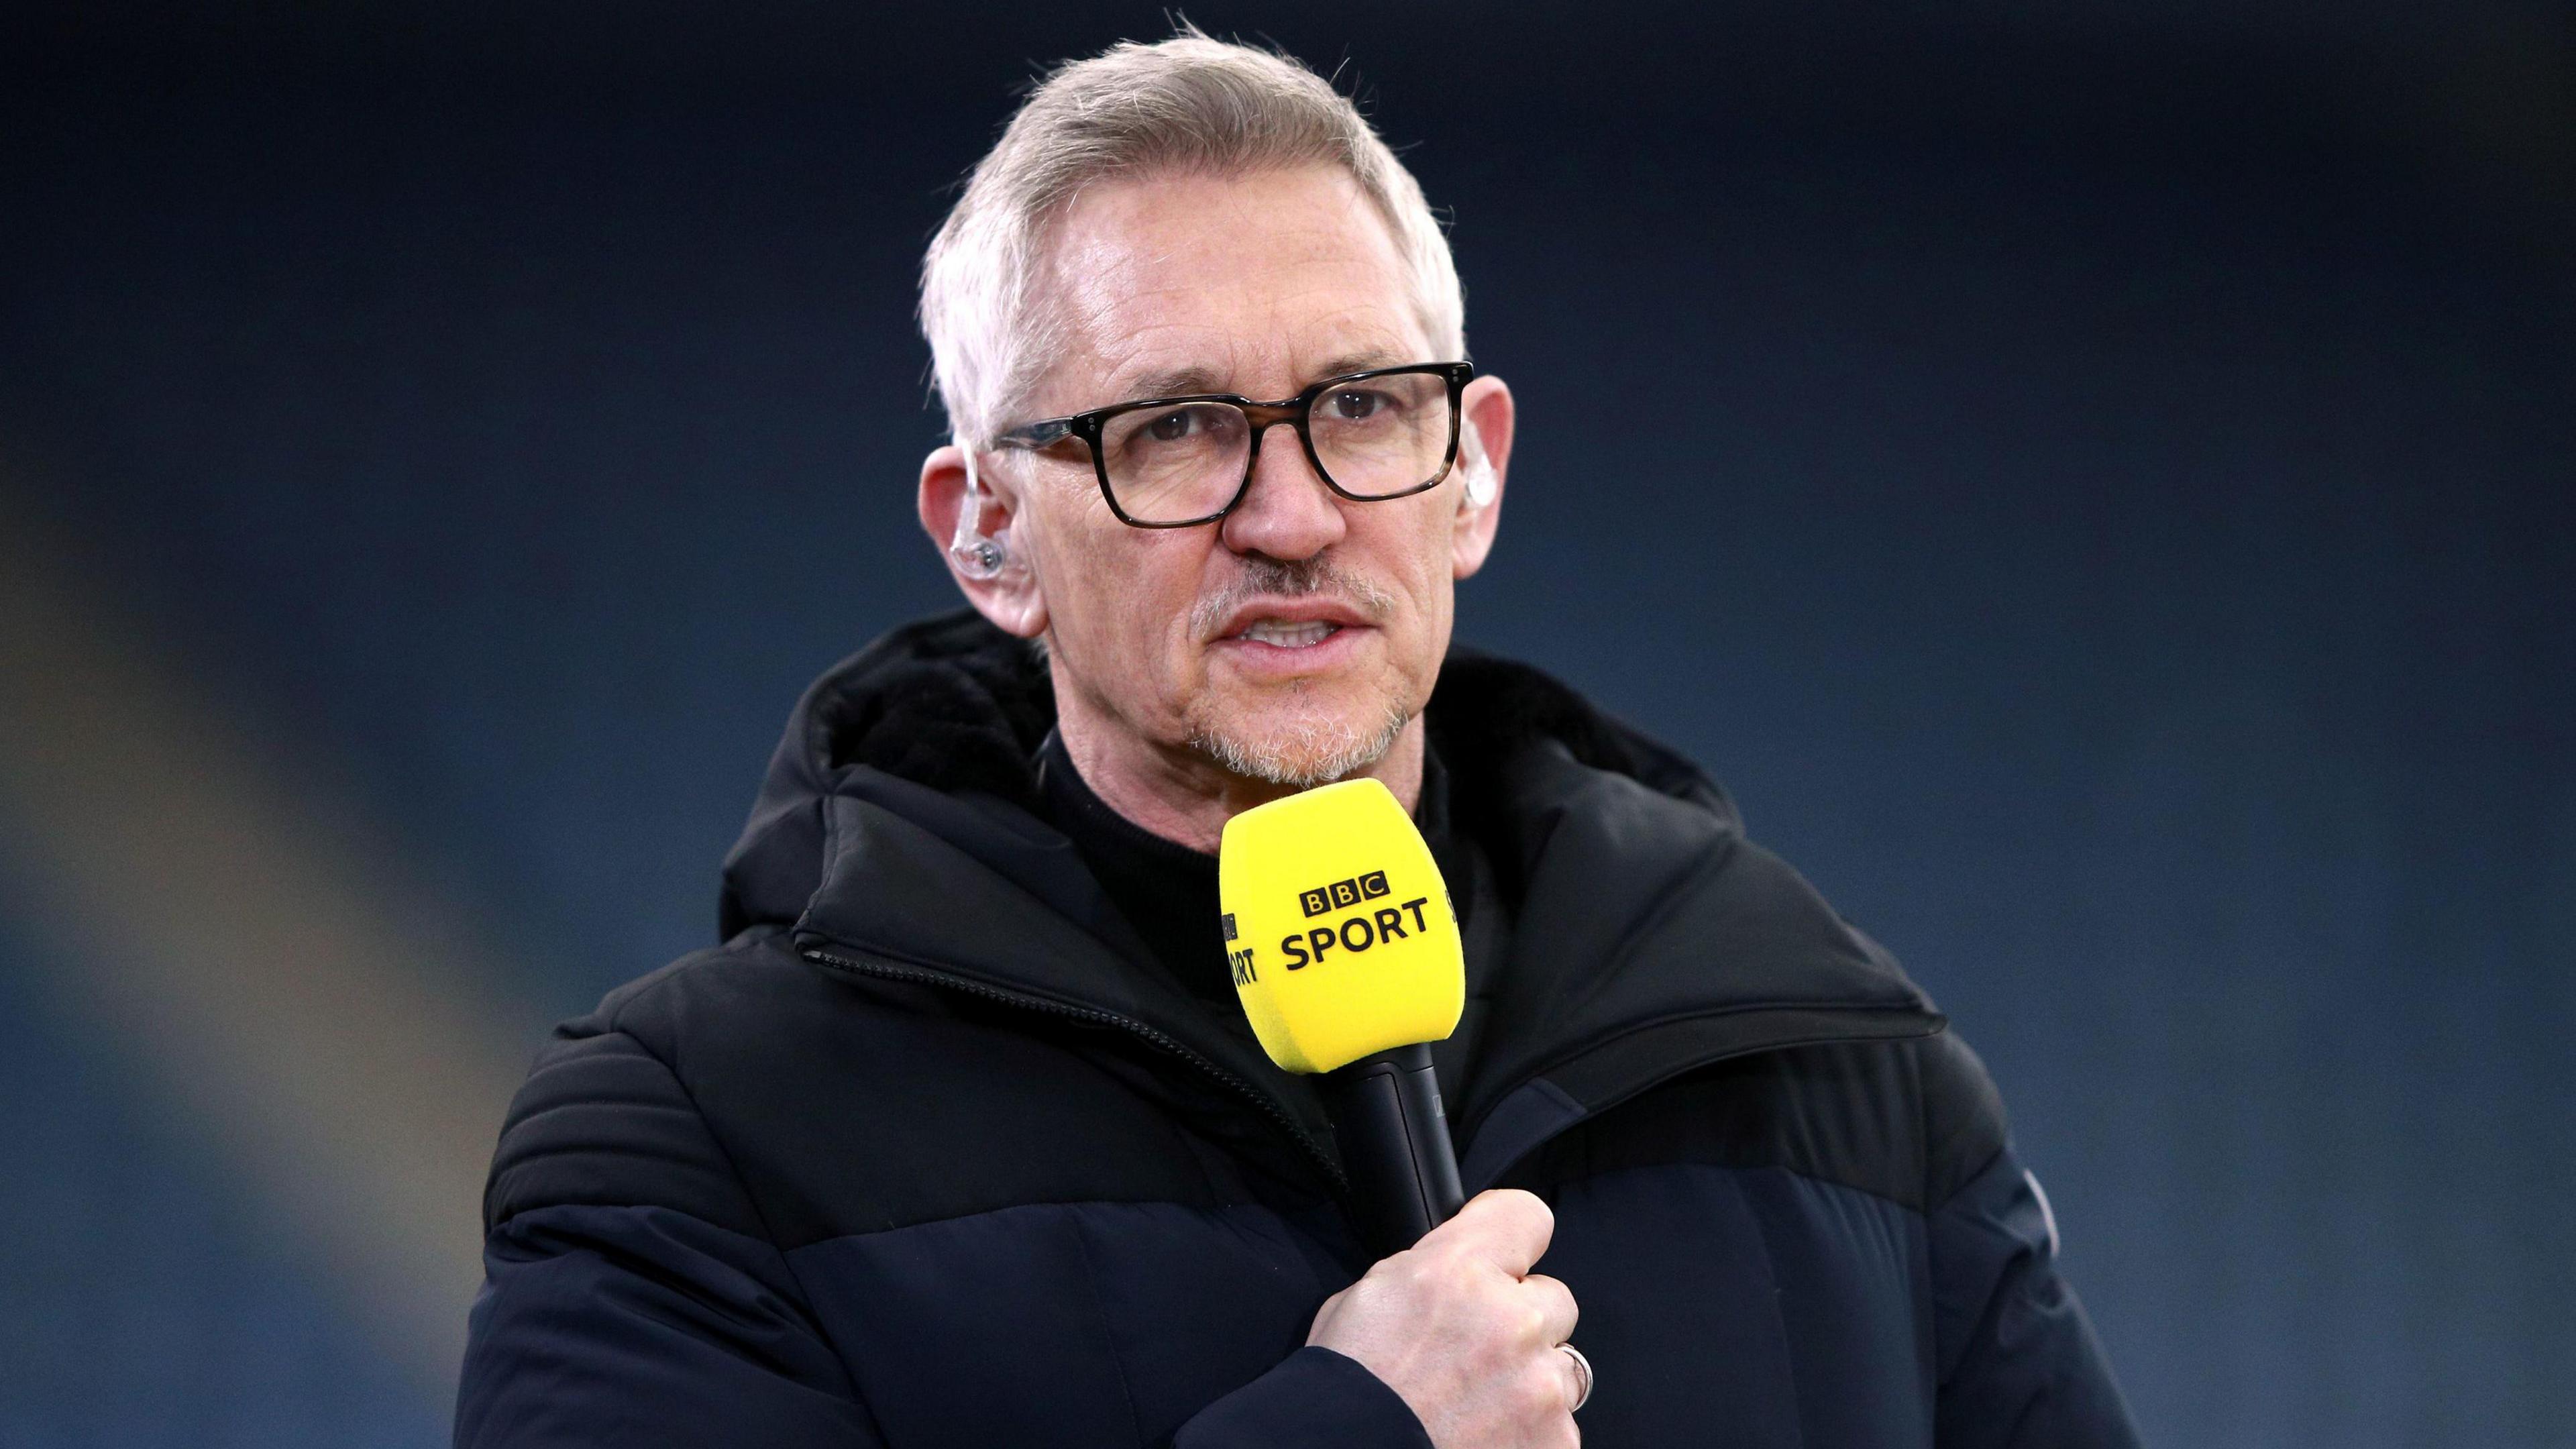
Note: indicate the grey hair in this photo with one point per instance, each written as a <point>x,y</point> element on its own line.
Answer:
<point>1189,104</point>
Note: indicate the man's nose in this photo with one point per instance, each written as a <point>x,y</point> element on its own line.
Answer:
<point>1287,512</point>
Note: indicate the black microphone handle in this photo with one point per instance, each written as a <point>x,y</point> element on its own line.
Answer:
<point>1395,1145</point>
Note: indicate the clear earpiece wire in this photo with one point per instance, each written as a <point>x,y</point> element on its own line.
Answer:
<point>978,555</point>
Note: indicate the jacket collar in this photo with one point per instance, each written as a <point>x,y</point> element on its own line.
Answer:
<point>896,832</point>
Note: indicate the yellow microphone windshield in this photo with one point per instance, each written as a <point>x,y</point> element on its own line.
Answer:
<point>1338,927</point>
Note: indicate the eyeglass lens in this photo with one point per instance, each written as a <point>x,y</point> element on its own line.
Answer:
<point>1377,437</point>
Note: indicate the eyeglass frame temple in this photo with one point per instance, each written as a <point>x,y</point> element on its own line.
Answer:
<point>1262,417</point>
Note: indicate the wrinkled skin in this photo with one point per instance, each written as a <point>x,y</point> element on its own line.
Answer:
<point>1257,285</point>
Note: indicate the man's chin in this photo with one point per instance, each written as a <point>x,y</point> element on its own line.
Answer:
<point>1299,748</point>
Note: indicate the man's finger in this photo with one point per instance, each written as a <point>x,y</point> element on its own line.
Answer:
<point>1557,1308</point>
<point>1504,1226</point>
<point>1578,1377</point>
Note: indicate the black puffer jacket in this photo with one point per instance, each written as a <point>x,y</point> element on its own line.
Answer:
<point>929,1152</point>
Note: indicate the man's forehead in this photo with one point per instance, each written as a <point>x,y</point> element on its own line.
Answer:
<point>1154,374</point>
<point>1202,284</point>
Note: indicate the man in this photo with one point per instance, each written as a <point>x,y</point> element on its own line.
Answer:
<point>961,1137</point>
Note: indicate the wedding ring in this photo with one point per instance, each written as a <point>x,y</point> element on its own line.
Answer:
<point>1583,1365</point>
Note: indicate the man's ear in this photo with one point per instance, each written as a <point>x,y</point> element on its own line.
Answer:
<point>1007,594</point>
<point>1484,448</point>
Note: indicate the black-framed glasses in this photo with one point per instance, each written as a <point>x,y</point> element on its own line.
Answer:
<point>1172,462</point>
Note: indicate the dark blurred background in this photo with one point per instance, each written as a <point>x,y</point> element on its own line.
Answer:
<point>2095,482</point>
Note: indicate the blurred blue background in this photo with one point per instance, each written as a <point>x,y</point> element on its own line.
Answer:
<point>2099,484</point>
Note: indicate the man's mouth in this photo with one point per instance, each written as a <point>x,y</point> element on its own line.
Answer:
<point>1283,634</point>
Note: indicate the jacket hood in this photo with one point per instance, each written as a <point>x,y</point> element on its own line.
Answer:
<point>954,704</point>
<point>948,702</point>
<point>1641,916</point>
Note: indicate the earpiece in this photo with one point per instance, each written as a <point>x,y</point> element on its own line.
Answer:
<point>1475,474</point>
<point>1479,481</point>
<point>977,554</point>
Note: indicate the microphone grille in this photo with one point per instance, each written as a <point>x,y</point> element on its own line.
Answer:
<point>1338,927</point>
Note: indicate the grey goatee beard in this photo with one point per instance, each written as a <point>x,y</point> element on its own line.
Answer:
<point>1302,753</point>
<point>1305,753</point>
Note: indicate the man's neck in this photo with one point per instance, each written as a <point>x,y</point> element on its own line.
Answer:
<point>1183,796</point>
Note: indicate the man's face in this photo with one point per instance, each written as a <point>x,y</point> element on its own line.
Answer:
<point>1290,641</point>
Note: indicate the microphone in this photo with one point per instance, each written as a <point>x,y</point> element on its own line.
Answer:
<point>1345,950</point>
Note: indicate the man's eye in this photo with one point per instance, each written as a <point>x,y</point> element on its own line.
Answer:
<point>1352,404</point>
<point>1171,427</point>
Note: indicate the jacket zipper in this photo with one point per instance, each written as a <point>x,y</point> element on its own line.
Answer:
<point>1162,1041</point>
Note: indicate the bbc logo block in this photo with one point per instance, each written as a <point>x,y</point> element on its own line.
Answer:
<point>1343,893</point>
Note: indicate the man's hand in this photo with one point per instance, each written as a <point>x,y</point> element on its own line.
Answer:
<point>1461,1328</point>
